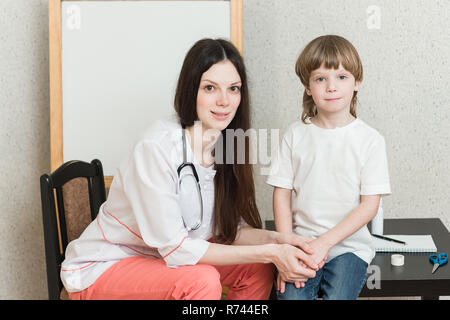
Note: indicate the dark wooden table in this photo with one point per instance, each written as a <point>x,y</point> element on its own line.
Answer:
<point>415,277</point>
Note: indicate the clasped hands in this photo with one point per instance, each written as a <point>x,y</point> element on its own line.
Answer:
<point>300,258</point>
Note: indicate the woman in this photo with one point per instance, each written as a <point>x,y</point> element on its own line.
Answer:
<point>150,238</point>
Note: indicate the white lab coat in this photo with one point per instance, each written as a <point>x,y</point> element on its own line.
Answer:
<point>143,212</point>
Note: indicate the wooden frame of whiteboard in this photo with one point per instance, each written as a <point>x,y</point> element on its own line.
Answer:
<point>55,58</point>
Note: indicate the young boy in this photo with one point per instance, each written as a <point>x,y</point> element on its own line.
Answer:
<point>337,167</point>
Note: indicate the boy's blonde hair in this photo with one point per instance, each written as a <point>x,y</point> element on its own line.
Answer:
<point>331,50</point>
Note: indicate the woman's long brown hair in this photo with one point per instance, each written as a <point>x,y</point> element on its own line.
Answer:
<point>234,194</point>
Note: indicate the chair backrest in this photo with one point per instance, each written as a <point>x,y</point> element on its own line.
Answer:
<point>71,197</point>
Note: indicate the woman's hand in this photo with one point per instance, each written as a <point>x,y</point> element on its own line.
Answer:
<point>301,242</point>
<point>281,283</point>
<point>304,244</point>
<point>292,263</point>
<point>295,240</point>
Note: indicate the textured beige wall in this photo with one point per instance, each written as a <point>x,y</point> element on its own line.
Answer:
<point>24,142</point>
<point>404,95</point>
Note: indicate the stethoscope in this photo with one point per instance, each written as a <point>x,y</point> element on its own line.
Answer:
<point>191,175</point>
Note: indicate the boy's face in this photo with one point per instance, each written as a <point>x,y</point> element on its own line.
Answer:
<point>332,89</point>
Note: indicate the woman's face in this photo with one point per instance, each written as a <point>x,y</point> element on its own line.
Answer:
<point>219,95</point>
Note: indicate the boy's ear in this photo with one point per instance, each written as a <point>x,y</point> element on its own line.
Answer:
<point>357,84</point>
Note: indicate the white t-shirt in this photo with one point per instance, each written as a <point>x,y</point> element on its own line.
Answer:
<point>328,170</point>
<point>143,212</point>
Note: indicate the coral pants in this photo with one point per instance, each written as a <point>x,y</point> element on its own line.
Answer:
<point>149,278</point>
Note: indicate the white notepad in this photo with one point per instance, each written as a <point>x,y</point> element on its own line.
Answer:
<point>414,243</point>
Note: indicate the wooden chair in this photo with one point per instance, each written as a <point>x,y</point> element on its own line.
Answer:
<point>71,198</point>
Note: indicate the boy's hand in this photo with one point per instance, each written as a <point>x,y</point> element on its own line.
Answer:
<point>321,250</point>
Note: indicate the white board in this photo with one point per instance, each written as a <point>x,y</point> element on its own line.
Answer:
<point>120,66</point>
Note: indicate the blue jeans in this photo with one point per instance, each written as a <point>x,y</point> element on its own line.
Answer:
<point>342,278</point>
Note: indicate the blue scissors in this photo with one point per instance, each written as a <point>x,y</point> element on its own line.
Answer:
<point>438,260</point>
